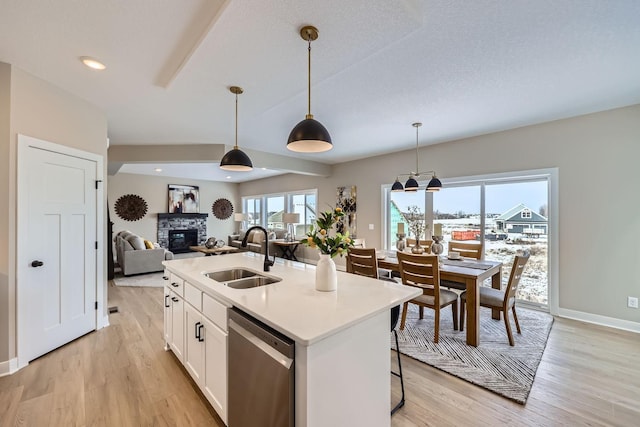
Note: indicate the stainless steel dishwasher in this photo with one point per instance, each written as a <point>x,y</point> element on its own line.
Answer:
<point>261,374</point>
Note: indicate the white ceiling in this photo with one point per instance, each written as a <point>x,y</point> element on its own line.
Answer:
<point>463,68</point>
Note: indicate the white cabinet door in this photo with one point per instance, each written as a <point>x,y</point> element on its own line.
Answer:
<point>168,336</point>
<point>194,343</point>
<point>214,384</point>
<point>177,326</point>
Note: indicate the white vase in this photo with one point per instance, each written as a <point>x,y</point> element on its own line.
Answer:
<point>326,276</point>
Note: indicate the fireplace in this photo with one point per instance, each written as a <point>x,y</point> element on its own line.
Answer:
<point>180,240</point>
<point>178,224</point>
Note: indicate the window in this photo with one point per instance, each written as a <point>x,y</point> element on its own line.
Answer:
<point>275,205</point>
<point>253,208</point>
<point>275,209</point>
<point>304,204</point>
<point>507,212</point>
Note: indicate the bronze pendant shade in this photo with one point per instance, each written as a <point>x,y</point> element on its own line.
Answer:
<point>309,136</point>
<point>235,159</point>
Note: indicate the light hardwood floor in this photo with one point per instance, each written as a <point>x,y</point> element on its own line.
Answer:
<point>121,376</point>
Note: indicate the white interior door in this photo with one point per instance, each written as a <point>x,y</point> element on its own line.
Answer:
<point>57,250</point>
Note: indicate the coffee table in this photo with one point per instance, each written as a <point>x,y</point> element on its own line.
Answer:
<point>214,251</point>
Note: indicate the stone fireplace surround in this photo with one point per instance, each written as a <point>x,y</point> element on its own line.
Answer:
<point>181,221</point>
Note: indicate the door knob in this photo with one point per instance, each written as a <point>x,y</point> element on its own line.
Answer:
<point>37,263</point>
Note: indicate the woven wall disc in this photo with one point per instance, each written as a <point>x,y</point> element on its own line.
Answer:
<point>131,207</point>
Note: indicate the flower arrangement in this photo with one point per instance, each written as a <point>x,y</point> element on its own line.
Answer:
<point>318,235</point>
<point>416,221</point>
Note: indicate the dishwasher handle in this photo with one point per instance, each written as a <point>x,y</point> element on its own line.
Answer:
<point>264,347</point>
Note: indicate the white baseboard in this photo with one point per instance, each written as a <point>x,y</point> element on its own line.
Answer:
<point>103,322</point>
<point>611,322</point>
<point>8,367</point>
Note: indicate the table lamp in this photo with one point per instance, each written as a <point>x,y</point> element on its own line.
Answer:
<point>241,218</point>
<point>290,219</point>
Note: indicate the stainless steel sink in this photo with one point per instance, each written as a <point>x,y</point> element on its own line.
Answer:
<point>232,274</point>
<point>241,278</point>
<point>252,282</point>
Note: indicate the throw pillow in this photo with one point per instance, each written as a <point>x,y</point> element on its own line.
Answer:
<point>148,244</point>
<point>137,242</point>
<point>258,237</point>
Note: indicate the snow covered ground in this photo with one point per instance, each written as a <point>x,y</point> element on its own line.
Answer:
<point>533,284</point>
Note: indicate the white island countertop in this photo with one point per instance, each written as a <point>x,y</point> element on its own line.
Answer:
<point>293,306</point>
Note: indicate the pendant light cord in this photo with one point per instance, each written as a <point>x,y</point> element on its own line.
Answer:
<point>309,115</point>
<point>417,170</point>
<point>236,145</point>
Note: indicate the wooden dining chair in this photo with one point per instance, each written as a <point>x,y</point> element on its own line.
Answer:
<point>364,262</point>
<point>471,250</point>
<point>422,271</point>
<point>499,299</point>
<point>468,250</point>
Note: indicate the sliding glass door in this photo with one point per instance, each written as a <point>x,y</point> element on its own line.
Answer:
<point>517,221</point>
<point>508,213</point>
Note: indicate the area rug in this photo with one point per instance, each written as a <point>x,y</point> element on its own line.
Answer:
<point>494,364</point>
<point>153,280</point>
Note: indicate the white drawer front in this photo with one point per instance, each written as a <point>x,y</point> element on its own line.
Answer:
<point>214,311</point>
<point>176,284</point>
<point>193,296</point>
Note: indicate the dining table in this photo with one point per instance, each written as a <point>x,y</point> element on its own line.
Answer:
<point>471,272</point>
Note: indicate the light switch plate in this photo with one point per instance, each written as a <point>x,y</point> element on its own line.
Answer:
<point>632,302</point>
<point>370,226</point>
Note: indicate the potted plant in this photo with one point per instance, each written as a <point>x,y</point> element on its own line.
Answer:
<point>319,236</point>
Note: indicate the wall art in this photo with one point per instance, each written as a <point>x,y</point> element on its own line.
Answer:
<point>130,207</point>
<point>184,199</point>
<point>222,208</point>
<point>346,199</point>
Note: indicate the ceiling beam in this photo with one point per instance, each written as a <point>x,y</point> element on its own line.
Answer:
<point>119,155</point>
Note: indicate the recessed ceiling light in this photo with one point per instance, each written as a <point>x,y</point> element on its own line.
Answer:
<point>264,169</point>
<point>92,63</point>
<point>228,177</point>
<point>158,170</point>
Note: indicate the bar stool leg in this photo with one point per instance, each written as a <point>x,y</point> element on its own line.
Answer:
<point>398,374</point>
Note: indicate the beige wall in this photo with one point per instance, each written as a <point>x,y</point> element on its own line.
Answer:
<point>40,110</point>
<point>154,190</point>
<point>597,158</point>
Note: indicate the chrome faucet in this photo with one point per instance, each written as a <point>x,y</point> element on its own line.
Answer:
<point>267,263</point>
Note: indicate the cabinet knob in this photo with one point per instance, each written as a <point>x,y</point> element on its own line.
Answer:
<point>37,263</point>
<point>174,299</point>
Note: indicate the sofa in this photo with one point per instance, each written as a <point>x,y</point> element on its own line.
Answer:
<point>136,255</point>
<point>255,241</point>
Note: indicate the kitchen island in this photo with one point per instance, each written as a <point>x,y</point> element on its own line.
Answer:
<point>342,360</point>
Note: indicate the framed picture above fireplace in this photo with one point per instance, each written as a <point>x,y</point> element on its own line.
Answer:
<point>184,199</point>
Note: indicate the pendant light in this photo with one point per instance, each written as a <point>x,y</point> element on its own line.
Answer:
<point>309,136</point>
<point>412,184</point>
<point>236,159</point>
